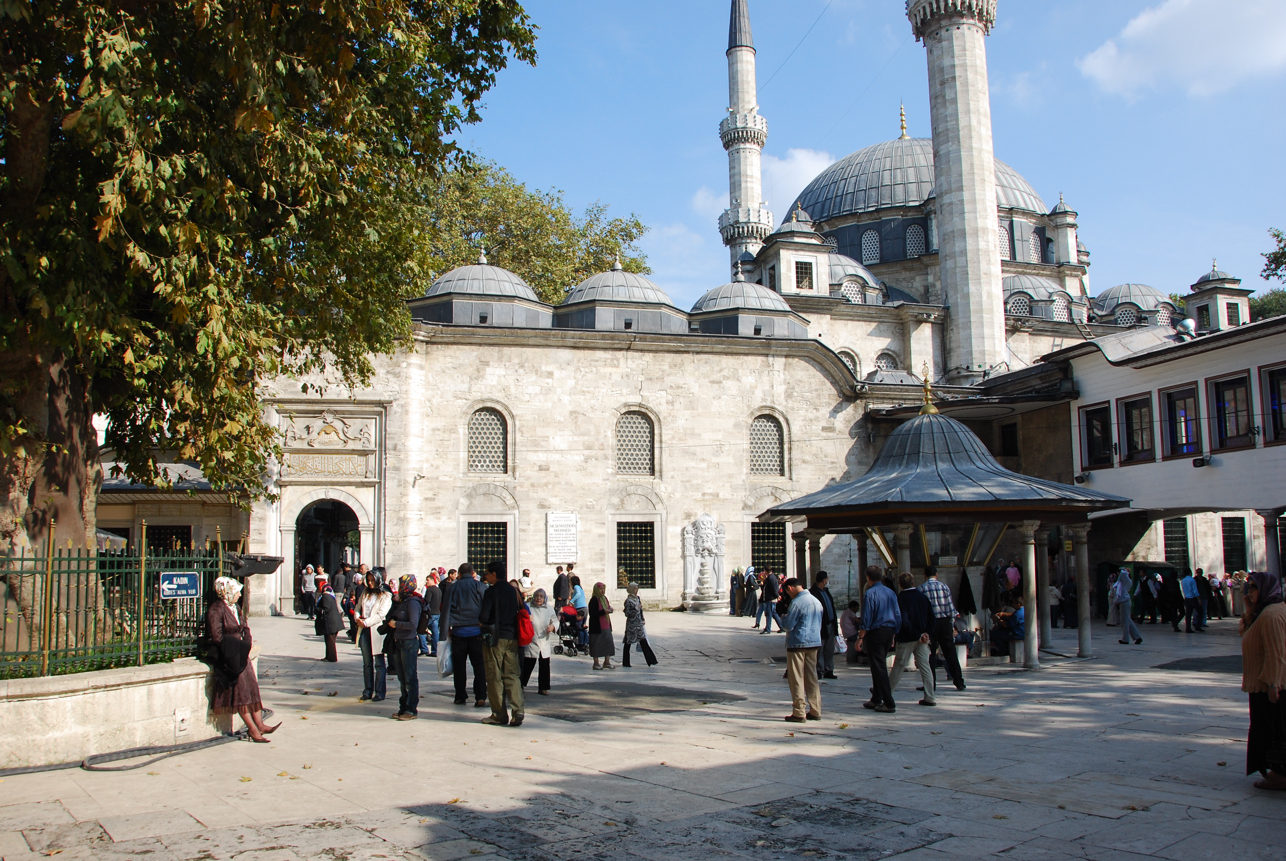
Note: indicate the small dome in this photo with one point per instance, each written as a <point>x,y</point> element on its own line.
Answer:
<point>1061,206</point>
<point>846,267</point>
<point>741,295</point>
<point>1035,286</point>
<point>617,285</point>
<point>483,279</point>
<point>1145,297</point>
<point>1215,274</point>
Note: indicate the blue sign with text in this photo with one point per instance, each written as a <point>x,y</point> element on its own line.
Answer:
<point>180,584</point>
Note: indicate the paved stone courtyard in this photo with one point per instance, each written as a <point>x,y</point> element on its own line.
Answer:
<point>1114,758</point>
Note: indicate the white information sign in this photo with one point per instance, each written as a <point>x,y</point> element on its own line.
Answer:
<point>561,528</point>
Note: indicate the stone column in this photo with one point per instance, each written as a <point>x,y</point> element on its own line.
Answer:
<point>1080,531</point>
<point>1272,540</point>
<point>1042,586</point>
<point>801,556</point>
<point>814,555</point>
<point>863,556</point>
<point>902,533</point>
<point>1031,648</point>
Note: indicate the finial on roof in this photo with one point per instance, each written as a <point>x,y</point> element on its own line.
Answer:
<point>616,267</point>
<point>482,257</point>
<point>928,409</point>
<point>799,207</point>
<point>738,275</point>
<point>902,114</point>
<point>1060,197</point>
<point>1214,265</point>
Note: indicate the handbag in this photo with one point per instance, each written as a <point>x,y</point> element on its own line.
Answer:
<point>526,631</point>
<point>445,665</point>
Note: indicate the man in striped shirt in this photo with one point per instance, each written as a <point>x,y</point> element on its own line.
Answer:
<point>944,614</point>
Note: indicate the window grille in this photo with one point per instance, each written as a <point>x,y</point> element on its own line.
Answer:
<point>1234,313</point>
<point>487,542</point>
<point>803,275</point>
<point>1127,316</point>
<point>636,553</point>
<point>488,442</point>
<point>870,247</point>
<point>1020,306</point>
<point>1174,534</point>
<point>768,546</point>
<point>766,454</point>
<point>634,445</point>
<point>1203,317</point>
<point>1062,309</point>
<point>1006,252</point>
<point>1164,317</point>
<point>1034,249</point>
<point>772,278</point>
<point>849,359</point>
<point>167,539</point>
<point>852,292</point>
<point>886,362</point>
<point>1234,544</point>
<point>914,241</point>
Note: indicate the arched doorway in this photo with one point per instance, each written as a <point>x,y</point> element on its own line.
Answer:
<point>327,534</point>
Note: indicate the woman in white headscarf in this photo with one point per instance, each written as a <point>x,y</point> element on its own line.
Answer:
<point>542,644</point>
<point>236,688</point>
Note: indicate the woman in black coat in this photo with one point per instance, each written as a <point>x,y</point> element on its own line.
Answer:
<point>330,619</point>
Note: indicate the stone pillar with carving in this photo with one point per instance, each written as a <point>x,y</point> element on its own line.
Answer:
<point>902,535</point>
<point>689,562</point>
<point>703,554</point>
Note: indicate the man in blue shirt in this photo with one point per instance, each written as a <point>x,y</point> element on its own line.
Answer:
<point>803,638</point>
<point>1191,604</point>
<point>1009,627</point>
<point>881,620</point>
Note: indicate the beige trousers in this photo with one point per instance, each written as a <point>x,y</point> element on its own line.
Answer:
<point>503,678</point>
<point>801,675</point>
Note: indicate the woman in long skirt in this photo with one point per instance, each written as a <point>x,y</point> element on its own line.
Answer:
<point>635,632</point>
<point>239,695</point>
<point>601,647</point>
<point>1263,663</point>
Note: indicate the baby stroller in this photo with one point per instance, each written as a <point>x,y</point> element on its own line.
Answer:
<point>569,625</point>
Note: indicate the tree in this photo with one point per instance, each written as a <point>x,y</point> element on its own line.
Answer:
<point>481,207</point>
<point>1272,303</point>
<point>200,194</point>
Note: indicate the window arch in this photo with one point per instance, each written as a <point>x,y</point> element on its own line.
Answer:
<point>915,241</point>
<point>886,361</point>
<point>852,291</point>
<point>1006,251</point>
<point>850,360</point>
<point>870,247</point>
<point>1034,250</point>
<point>1164,316</point>
<point>635,444</point>
<point>488,441</point>
<point>1127,315</point>
<point>767,447</point>
<point>1019,305</point>
<point>1062,309</point>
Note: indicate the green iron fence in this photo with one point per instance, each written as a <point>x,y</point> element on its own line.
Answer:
<point>70,611</point>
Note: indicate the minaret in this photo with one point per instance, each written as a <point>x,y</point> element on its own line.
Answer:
<point>746,222</point>
<point>953,32</point>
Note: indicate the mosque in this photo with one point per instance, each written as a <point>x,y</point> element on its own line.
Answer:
<point>624,434</point>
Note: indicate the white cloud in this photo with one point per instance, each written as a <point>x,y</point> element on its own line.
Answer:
<point>785,178</point>
<point>709,203</point>
<point>685,263</point>
<point>1202,46</point>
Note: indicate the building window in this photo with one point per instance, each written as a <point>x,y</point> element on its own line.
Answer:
<point>852,292</point>
<point>634,444</point>
<point>1274,388</point>
<point>486,543</point>
<point>1062,309</point>
<point>915,241</point>
<point>886,362</point>
<point>636,553</point>
<point>1034,250</point>
<point>772,278</point>
<point>1230,412</point>
<point>1164,316</point>
<point>1127,315</point>
<point>768,546</point>
<point>1006,251</point>
<point>870,248</point>
<point>1234,544</point>
<point>1096,437</point>
<point>1174,535</point>
<point>803,275</point>
<point>488,442</point>
<point>1009,440</point>
<point>169,539</point>
<point>1020,305</point>
<point>1182,423</point>
<point>850,360</point>
<point>1203,317</point>
<point>1136,430</point>
<point>767,450</point>
<point>1234,313</point>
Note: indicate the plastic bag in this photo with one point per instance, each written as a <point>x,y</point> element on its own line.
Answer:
<point>445,667</point>
<point>841,645</point>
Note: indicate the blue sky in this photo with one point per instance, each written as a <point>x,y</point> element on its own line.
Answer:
<point>1161,122</point>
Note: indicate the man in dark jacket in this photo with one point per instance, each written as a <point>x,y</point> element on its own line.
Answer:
<point>768,595</point>
<point>340,579</point>
<point>464,603</point>
<point>499,620</point>
<point>913,637</point>
<point>830,626</point>
<point>562,588</point>
<point>433,607</point>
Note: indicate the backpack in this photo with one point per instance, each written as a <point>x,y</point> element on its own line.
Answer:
<point>526,631</point>
<point>422,627</point>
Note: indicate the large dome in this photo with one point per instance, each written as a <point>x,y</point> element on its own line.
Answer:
<point>483,279</point>
<point>1140,295</point>
<point>741,295</point>
<point>896,173</point>
<point>619,286</point>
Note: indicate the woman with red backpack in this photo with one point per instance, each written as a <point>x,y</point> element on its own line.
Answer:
<point>538,652</point>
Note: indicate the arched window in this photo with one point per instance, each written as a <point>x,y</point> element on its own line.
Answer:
<point>914,241</point>
<point>870,248</point>
<point>886,362</point>
<point>488,441</point>
<point>1164,316</point>
<point>1006,252</point>
<point>1127,315</point>
<point>1019,305</point>
<point>852,291</point>
<point>1062,309</point>
<point>767,449</point>
<point>1034,249</point>
<point>850,360</point>
<point>634,445</point>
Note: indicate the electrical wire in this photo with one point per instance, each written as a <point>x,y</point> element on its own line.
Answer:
<point>765,84</point>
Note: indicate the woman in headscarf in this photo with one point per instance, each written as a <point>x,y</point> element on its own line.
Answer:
<point>1113,609</point>
<point>541,649</point>
<point>1263,676</point>
<point>236,688</point>
<point>330,619</point>
<point>404,620</point>
<point>601,647</point>
<point>635,632</point>
<point>1121,599</point>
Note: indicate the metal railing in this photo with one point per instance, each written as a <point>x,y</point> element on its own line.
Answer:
<point>73,610</point>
